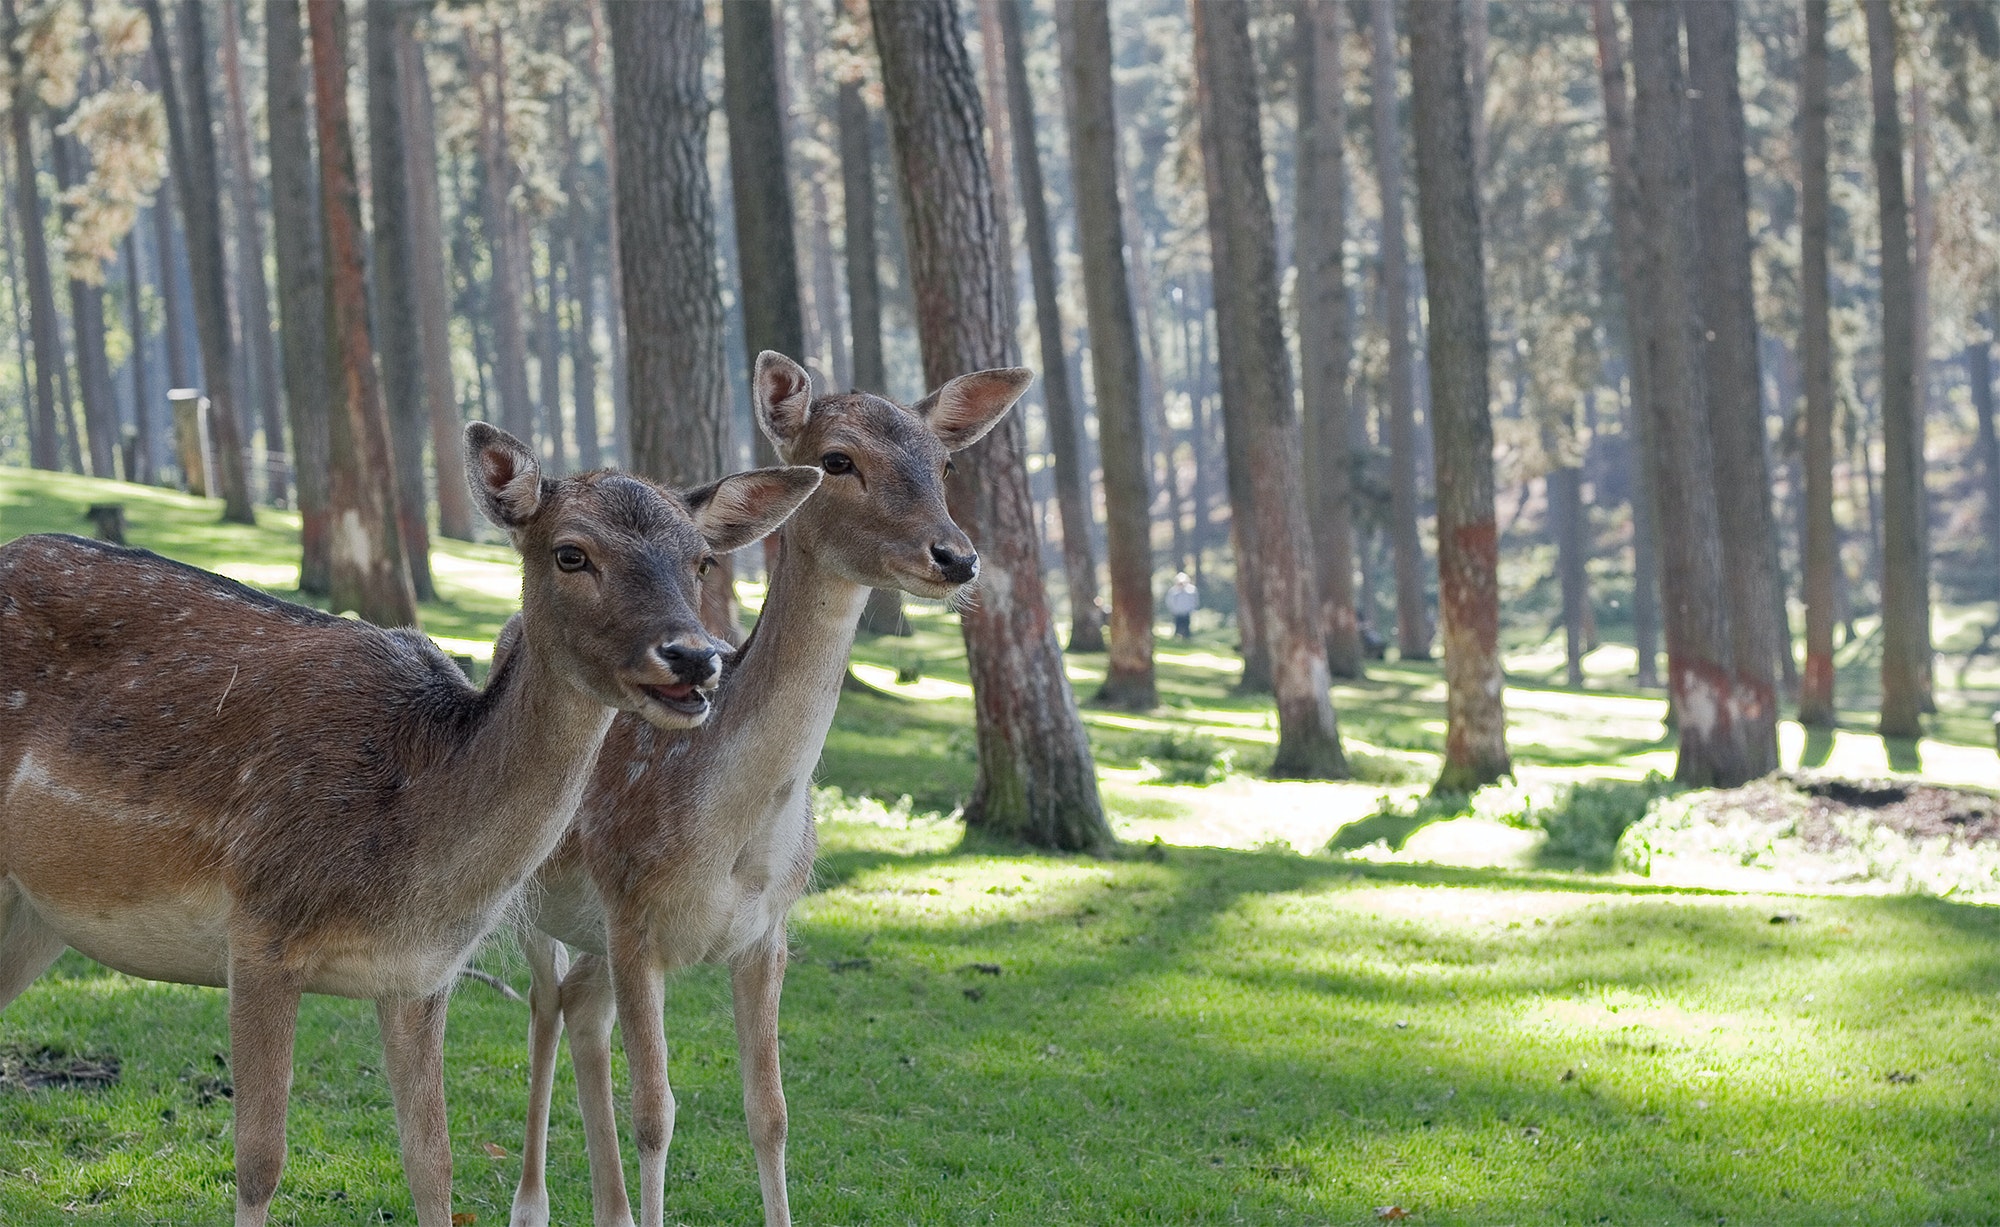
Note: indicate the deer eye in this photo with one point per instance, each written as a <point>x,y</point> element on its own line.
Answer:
<point>837,463</point>
<point>702,568</point>
<point>949,468</point>
<point>570,558</point>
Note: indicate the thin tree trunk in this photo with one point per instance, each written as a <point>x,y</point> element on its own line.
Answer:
<point>1572,559</point>
<point>191,142</point>
<point>432,287</point>
<point>1906,643</point>
<point>1979,373</point>
<point>143,469</point>
<point>93,366</point>
<point>1413,624</point>
<point>1257,392</point>
<point>580,253</point>
<point>1326,324</point>
<point>1036,780</point>
<point>182,361</point>
<point>369,573</point>
<point>1733,381</point>
<point>1923,226</point>
<point>400,328</point>
<point>1821,547</point>
<point>1475,751</point>
<point>7,227</point>
<point>1630,246</point>
<point>547,307</point>
<point>44,437</point>
<point>1065,424</point>
<point>485,54</point>
<point>1084,32</point>
<point>673,297</point>
<point>260,348</point>
<point>825,281</point>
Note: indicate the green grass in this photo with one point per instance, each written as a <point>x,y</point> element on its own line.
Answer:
<point>1182,1035</point>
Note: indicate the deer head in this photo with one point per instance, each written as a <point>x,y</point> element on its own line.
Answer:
<point>612,564</point>
<point>880,518</point>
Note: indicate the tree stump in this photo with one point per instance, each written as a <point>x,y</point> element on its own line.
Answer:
<point>110,521</point>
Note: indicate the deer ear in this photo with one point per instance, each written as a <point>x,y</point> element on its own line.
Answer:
<point>745,507</point>
<point>781,392</point>
<point>963,410</point>
<point>503,474</point>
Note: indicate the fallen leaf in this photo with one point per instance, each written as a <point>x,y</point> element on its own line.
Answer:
<point>498,1152</point>
<point>1389,1214</point>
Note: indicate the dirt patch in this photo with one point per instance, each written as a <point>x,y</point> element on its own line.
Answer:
<point>1827,821</point>
<point>46,1068</point>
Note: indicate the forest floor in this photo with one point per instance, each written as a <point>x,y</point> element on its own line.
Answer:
<point>1469,1011</point>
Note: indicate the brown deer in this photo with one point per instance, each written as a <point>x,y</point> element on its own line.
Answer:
<point>202,784</point>
<point>692,847</point>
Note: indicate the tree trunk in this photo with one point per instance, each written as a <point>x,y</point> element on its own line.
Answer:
<point>819,229</point>
<point>1325,324</point>
<point>260,348</point>
<point>1630,242</point>
<point>547,308</point>
<point>621,420</point>
<point>485,55</point>
<point>1923,236</point>
<point>1065,425</point>
<point>666,223</point>
<point>1117,373</point>
<point>44,436</point>
<point>86,301</point>
<point>580,253</point>
<point>1036,780</point>
<point>1906,641</point>
<point>1257,393</point>
<point>432,287</point>
<point>1413,624</point>
<point>1701,678</point>
<point>1572,564</point>
<point>182,361</point>
<point>1979,373</point>
<point>1821,547</point>
<point>1475,750</point>
<point>191,143</point>
<point>143,466</point>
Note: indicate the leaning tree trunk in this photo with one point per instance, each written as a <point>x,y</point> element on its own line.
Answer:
<point>44,436</point>
<point>1734,383</point>
<point>1116,371</point>
<point>86,302</point>
<point>301,273</point>
<point>1475,748</point>
<point>666,241</point>
<point>255,308</point>
<point>369,574</point>
<point>1413,624</point>
<point>191,144</point>
<point>1257,392</point>
<point>1325,325</point>
<point>1065,425</point>
<point>1701,676</point>
<point>400,328</point>
<point>1822,543</point>
<point>506,260</point>
<point>433,289</point>
<point>1906,642</point>
<point>1036,780</point>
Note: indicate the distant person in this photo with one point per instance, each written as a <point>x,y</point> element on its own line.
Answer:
<point>1182,600</point>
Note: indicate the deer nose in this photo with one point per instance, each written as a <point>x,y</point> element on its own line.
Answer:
<point>690,664</point>
<point>958,568</point>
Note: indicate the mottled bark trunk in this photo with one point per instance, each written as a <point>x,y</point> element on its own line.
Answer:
<point>1906,641</point>
<point>1257,391</point>
<point>667,244</point>
<point>1065,424</point>
<point>1117,371</point>
<point>486,59</point>
<point>369,574</point>
<point>191,145</point>
<point>260,347</point>
<point>1326,324</point>
<point>93,365</point>
<point>44,435</point>
<point>432,288</point>
<point>1413,622</point>
<point>398,325</point>
<point>1821,546</point>
<point>1036,780</point>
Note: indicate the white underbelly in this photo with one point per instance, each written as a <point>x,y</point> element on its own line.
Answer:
<point>182,940</point>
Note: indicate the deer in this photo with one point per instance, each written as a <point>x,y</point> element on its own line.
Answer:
<point>692,846</point>
<point>203,784</point>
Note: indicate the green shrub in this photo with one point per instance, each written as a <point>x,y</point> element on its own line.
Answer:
<point>1180,757</point>
<point>1585,821</point>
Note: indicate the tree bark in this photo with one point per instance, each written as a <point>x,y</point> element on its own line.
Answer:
<point>1822,544</point>
<point>1257,393</point>
<point>1923,237</point>
<point>369,573</point>
<point>86,301</point>
<point>825,281</point>
<point>183,362</point>
<point>191,144</point>
<point>1979,373</point>
<point>432,287</point>
<point>1084,32</point>
<point>580,254</point>
<point>621,405</point>
<point>255,307</point>
<point>667,243</point>
<point>1065,424</point>
<point>144,467</point>
<point>1630,242</point>
<point>1475,750</point>
<point>1326,324</point>
<point>546,305</point>
<point>400,328</point>
<point>1906,641</point>
<point>1413,624</point>
<point>1036,780</point>
<point>44,436</point>
<point>488,70</point>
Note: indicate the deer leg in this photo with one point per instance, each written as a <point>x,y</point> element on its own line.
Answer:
<point>413,1043</point>
<point>27,946</point>
<point>589,1009</point>
<point>755,982</point>
<point>546,965</point>
<point>263,1014</point>
<point>639,982</point>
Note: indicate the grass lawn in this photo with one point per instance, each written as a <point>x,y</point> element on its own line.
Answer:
<point>1233,1033</point>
